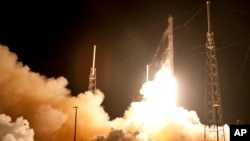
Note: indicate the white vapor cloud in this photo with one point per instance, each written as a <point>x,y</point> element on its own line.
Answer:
<point>15,131</point>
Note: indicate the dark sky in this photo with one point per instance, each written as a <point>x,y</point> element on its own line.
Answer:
<point>57,38</point>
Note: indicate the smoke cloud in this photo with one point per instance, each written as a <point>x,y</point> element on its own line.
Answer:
<point>15,131</point>
<point>43,109</point>
<point>47,104</point>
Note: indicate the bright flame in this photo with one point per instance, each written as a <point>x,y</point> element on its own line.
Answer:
<point>157,115</point>
<point>159,104</point>
<point>161,92</point>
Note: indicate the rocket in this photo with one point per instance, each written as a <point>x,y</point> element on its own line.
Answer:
<point>170,47</point>
<point>165,51</point>
<point>166,47</point>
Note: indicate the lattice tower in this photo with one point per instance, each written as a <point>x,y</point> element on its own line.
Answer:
<point>213,129</point>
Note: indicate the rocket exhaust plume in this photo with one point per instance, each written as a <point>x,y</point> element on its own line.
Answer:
<point>157,116</point>
<point>46,103</point>
<point>46,107</point>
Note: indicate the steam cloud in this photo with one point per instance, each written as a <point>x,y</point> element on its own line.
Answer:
<point>47,105</point>
<point>15,131</point>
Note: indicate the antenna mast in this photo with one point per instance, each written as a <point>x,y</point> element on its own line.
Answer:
<point>92,75</point>
<point>213,128</point>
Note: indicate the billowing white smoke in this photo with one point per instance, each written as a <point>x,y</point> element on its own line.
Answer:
<point>15,131</point>
<point>48,106</point>
<point>158,118</point>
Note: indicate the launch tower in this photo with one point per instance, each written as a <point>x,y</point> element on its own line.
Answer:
<point>92,75</point>
<point>212,103</point>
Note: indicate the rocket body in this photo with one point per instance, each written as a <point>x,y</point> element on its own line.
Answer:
<point>170,47</point>
<point>165,50</point>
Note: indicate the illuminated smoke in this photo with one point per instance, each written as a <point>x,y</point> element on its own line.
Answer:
<point>48,106</point>
<point>15,131</point>
<point>157,116</point>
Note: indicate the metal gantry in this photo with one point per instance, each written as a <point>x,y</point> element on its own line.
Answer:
<point>213,129</point>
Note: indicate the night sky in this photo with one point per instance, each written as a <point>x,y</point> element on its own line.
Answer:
<point>56,39</point>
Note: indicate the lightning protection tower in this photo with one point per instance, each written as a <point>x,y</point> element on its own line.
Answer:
<point>213,129</point>
<point>92,75</point>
